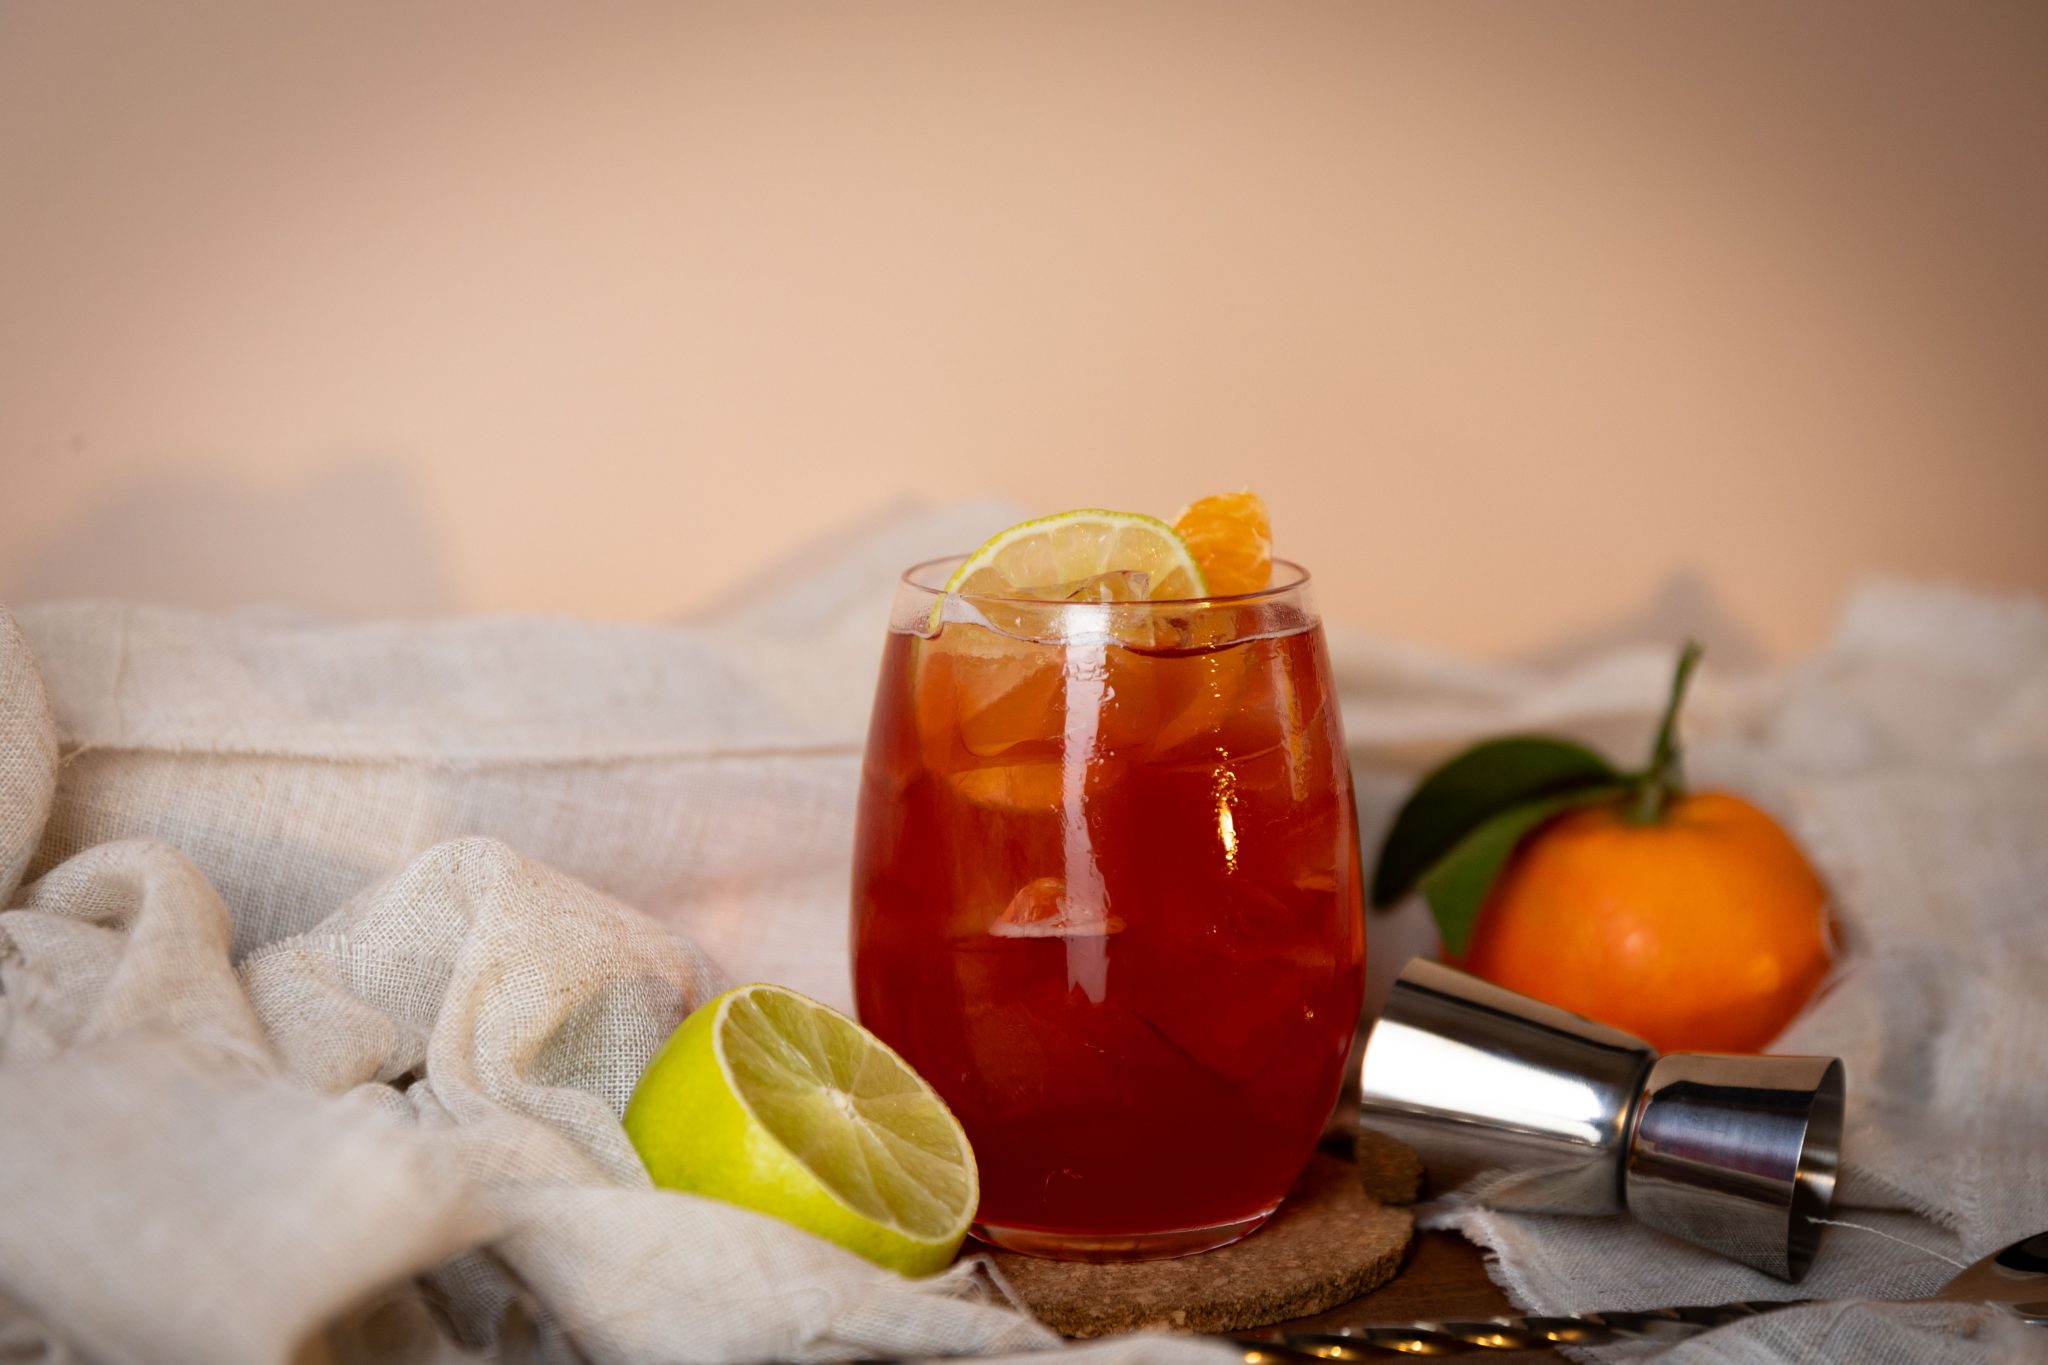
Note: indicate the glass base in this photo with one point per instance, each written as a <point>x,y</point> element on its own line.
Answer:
<point>1110,1246</point>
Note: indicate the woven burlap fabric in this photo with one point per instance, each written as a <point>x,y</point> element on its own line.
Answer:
<point>325,977</point>
<point>28,756</point>
<point>705,775</point>
<point>302,1059</point>
<point>202,1163</point>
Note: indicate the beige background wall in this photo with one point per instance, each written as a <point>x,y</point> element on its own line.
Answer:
<point>1513,311</point>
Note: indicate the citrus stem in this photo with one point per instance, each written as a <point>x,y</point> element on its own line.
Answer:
<point>1664,778</point>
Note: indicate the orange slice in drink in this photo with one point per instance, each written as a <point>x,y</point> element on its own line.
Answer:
<point>989,715</point>
<point>1231,537</point>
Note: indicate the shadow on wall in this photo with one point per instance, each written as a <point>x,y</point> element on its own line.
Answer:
<point>351,540</point>
<point>1684,607</point>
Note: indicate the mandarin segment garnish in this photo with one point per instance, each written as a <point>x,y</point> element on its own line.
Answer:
<point>1231,537</point>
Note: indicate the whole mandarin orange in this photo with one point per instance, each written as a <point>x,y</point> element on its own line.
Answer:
<point>1703,930</point>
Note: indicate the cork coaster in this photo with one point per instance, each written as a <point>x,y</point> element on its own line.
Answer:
<point>1330,1242</point>
<point>1389,1170</point>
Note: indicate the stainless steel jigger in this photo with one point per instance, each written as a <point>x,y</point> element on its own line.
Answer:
<point>1528,1107</point>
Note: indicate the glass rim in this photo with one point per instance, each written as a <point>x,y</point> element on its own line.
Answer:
<point>1298,579</point>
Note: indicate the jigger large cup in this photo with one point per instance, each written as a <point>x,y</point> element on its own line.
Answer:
<point>1528,1107</point>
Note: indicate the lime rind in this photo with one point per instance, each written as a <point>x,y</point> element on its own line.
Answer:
<point>1088,543</point>
<point>1075,559</point>
<point>874,1135</point>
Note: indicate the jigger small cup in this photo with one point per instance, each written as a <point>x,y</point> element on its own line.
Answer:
<point>1524,1106</point>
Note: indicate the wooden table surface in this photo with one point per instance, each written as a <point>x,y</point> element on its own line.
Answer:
<point>1444,1276</point>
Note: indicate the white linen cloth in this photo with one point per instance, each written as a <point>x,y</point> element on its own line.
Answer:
<point>320,992</point>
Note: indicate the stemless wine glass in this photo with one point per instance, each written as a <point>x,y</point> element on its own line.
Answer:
<point>1106,900</point>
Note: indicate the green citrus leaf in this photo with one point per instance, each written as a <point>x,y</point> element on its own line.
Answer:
<point>1464,793</point>
<point>1456,884</point>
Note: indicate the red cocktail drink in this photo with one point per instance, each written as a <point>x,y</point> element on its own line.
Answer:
<point>1106,900</point>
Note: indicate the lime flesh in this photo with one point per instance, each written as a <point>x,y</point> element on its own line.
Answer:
<point>767,1099</point>
<point>1052,556</point>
